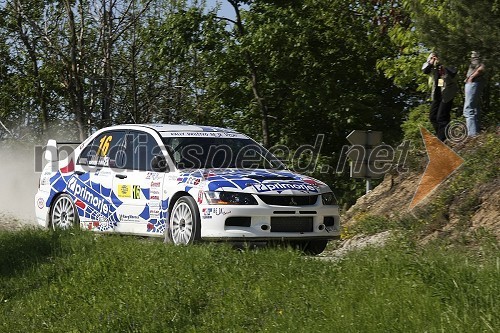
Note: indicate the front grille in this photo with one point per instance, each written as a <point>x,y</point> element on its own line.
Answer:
<point>291,224</point>
<point>238,221</point>
<point>289,200</point>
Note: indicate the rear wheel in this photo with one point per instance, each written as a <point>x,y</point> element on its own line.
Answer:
<point>184,222</point>
<point>63,214</point>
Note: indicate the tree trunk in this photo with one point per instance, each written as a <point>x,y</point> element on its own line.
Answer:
<point>77,93</point>
<point>31,49</point>
<point>254,79</point>
<point>107,69</point>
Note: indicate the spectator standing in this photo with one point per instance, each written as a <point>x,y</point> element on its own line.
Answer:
<point>474,84</point>
<point>444,89</point>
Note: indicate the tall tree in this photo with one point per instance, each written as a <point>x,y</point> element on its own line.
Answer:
<point>21,14</point>
<point>253,70</point>
<point>188,49</point>
<point>317,67</point>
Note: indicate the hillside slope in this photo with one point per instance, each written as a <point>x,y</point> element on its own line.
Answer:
<point>468,201</point>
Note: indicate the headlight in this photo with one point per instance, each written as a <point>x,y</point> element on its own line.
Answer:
<point>328,199</point>
<point>230,198</point>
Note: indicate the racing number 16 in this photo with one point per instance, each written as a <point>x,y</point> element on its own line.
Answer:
<point>104,145</point>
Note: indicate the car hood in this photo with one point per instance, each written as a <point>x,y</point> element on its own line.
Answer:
<point>257,181</point>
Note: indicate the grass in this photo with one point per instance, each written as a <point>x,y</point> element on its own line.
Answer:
<point>368,224</point>
<point>82,282</point>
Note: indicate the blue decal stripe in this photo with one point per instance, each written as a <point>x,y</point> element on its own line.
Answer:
<point>105,191</point>
<point>219,184</point>
<point>145,213</point>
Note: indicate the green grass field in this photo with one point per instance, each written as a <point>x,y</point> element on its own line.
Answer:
<point>82,282</point>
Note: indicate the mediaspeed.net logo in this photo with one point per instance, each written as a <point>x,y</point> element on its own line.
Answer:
<point>306,159</point>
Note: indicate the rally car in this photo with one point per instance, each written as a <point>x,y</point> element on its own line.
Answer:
<point>184,183</point>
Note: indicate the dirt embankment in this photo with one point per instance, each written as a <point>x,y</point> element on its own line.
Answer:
<point>393,196</point>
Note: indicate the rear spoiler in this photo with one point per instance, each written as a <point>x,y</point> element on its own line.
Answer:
<point>52,149</point>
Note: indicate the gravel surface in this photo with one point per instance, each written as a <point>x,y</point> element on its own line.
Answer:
<point>11,223</point>
<point>357,243</point>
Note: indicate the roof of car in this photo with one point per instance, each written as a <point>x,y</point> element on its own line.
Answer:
<point>185,128</point>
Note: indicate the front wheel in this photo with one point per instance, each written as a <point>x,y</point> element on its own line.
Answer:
<point>63,213</point>
<point>184,222</point>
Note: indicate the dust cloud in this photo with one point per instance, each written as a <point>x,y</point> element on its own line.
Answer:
<point>18,183</point>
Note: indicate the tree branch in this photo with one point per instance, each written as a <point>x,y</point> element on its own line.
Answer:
<point>225,19</point>
<point>5,128</point>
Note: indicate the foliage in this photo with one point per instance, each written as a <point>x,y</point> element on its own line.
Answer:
<point>320,76</point>
<point>418,117</point>
<point>320,67</point>
<point>458,27</point>
<point>85,282</point>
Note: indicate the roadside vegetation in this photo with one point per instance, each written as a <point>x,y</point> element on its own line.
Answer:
<point>83,282</point>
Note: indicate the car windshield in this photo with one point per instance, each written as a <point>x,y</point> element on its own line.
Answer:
<point>220,152</point>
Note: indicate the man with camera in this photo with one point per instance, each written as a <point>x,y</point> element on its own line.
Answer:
<point>444,89</point>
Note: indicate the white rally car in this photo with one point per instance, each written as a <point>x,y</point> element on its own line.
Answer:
<point>184,183</point>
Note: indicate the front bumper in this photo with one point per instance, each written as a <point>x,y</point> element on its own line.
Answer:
<point>255,223</point>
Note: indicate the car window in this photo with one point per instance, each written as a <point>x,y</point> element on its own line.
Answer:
<point>139,151</point>
<point>198,152</point>
<point>105,150</point>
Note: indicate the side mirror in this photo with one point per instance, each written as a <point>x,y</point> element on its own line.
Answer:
<point>51,154</point>
<point>159,164</point>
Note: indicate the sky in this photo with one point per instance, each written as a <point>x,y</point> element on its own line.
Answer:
<point>226,10</point>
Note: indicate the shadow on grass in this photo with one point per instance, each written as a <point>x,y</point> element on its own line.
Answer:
<point>25,248</point>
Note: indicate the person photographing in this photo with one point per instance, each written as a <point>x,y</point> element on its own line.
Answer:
<point>444,89</point>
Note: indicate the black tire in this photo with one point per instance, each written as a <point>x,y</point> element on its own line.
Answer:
<point>184,225</point>
<point>310,247</point>
<point>63,213</point>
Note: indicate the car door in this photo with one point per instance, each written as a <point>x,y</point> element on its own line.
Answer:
<point>92,182</point>
<point>138,186</point>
